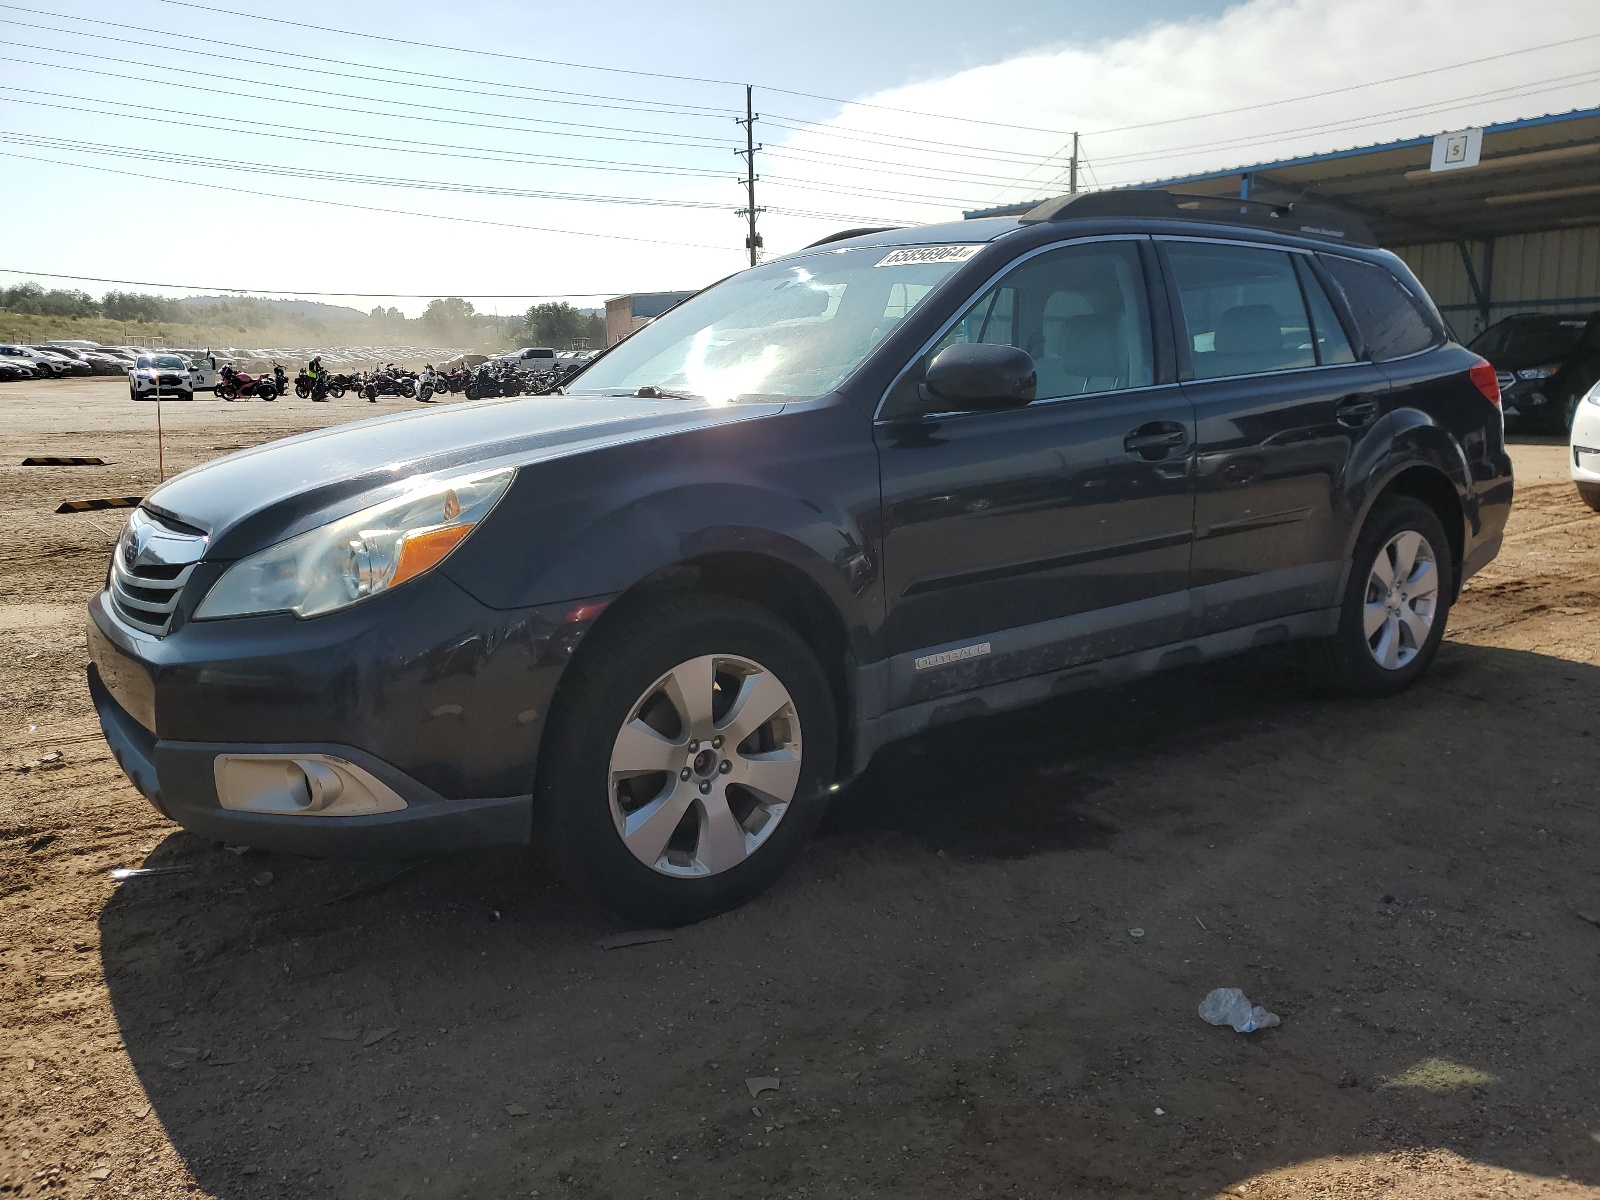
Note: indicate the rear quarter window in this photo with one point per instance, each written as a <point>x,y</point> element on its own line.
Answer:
<point>1393,323</point>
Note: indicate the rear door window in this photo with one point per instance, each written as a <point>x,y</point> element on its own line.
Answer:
<point>1393,322</point>
<point>1333,344</point>
<point>1242,308</point>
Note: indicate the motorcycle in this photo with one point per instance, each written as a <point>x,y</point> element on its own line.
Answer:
<point>427,383</point>
<point>280,379</point>
<point>385,383</point>
<point>235,384</point>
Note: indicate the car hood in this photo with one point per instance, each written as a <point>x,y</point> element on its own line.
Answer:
<point>260,496</point>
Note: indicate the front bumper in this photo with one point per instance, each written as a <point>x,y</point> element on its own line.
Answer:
<point>438,697</point>
<point>1584,450</point>
<point>178,778</point>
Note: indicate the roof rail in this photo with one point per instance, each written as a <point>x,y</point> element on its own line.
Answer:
<point>850,233</point>
<point>1299,217</point>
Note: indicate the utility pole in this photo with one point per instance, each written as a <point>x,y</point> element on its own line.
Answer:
<point>752,239</point>
<point>1072,170</point>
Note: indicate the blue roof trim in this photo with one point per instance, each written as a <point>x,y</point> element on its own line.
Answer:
<point>1377,148</point>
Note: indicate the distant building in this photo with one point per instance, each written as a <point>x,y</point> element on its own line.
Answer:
<point>627,313</point>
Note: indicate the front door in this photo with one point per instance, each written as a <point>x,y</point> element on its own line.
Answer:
<point>1280,400</point>
<point>1025,541</point>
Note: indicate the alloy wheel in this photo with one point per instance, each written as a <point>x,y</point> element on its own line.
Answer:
<point>705,766</point>
<point>1402,600</point>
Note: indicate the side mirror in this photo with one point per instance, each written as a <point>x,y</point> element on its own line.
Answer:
<point>978,375</point>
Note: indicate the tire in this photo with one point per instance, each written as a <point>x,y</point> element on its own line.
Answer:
<point>336,390</point>
<point>408,389</point>
<point>1349,661</point>
<point>622,680</point>
<point>133,392</point>
<point>1589,493</point>
<point>302,391</point>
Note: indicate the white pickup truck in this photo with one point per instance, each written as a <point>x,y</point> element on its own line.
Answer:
<point>530,359</point>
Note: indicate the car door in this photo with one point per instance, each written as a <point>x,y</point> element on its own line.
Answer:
<point>1280,399</point>
<point>1027,540</point>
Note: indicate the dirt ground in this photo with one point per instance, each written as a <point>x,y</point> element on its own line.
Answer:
<point>981,979</point>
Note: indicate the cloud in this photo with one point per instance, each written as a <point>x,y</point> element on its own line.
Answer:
<point>1139,101</point>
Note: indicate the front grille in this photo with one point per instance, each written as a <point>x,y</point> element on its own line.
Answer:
<point>170,381</point>
<point>152,562</point>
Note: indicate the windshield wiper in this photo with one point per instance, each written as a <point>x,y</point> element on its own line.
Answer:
<point>651,392</point>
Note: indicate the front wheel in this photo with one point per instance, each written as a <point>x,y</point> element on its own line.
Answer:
<point>302,391</point>
<point>1392,619</point>
<point>1589,493</point>
<point>688,760</point>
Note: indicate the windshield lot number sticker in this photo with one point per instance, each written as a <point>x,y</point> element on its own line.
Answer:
<point>907,255</point>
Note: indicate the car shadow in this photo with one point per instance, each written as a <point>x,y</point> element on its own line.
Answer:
<point>947,990</point>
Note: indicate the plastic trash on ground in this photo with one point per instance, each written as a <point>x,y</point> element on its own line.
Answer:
<point>1230,1006</point>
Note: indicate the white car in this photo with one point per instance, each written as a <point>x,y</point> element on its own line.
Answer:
<point>45,367</point>
<point>167,373</point>
<point>1585,447</point>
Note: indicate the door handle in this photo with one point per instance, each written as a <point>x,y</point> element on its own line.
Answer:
<point>1152,440</point>
<point>1356,411</point>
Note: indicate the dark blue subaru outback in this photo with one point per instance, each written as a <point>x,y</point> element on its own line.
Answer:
<point>900,478</point>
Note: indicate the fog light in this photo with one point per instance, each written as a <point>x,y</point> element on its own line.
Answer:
<point>312,785</point>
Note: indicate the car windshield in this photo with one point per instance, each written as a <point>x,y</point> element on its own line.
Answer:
<point>166,362</point>
<point>795,328</point>
<point>1530,338</point>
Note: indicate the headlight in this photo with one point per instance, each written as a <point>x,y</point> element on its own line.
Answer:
<point>1537,372</point>
<point>1593,394</point>
<point>358,556</point>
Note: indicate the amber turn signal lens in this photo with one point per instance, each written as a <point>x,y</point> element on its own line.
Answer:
<point>423,551</point>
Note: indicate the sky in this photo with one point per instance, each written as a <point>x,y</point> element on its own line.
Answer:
<point>395,154</point>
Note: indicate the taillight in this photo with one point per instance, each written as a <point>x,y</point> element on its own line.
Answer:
<point>1483,378</point>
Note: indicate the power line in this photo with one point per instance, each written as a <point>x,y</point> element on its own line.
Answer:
<point>196,287</point>
<point>901,141</point>
<point>45,142</point>
<point>906,170</point>
<point>789,91</point>
<point>1510,92</point>
<point>698,111</point>
<point>299,56</point>
<point>397,212</point>
<point>844,189</point>
<point>1172,120</point>
<point>690,140</point>
<point>1226,112</point>
<point>412,42</point>
<point>401,144</point>
<point>336,177</point>
<point>454,150</point>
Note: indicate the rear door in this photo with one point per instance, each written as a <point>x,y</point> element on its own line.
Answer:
<point>1023,541</point>
<point>1280,400</point>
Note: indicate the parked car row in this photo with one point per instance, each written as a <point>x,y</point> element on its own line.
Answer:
<point>51,360</point>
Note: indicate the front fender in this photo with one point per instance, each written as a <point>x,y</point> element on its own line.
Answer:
<point>799,487</point>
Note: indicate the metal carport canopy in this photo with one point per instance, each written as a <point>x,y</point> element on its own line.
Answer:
<point>1534,175</point>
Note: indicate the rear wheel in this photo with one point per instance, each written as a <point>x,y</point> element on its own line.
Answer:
<point>1396,602</point>
<point>688,760</point>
